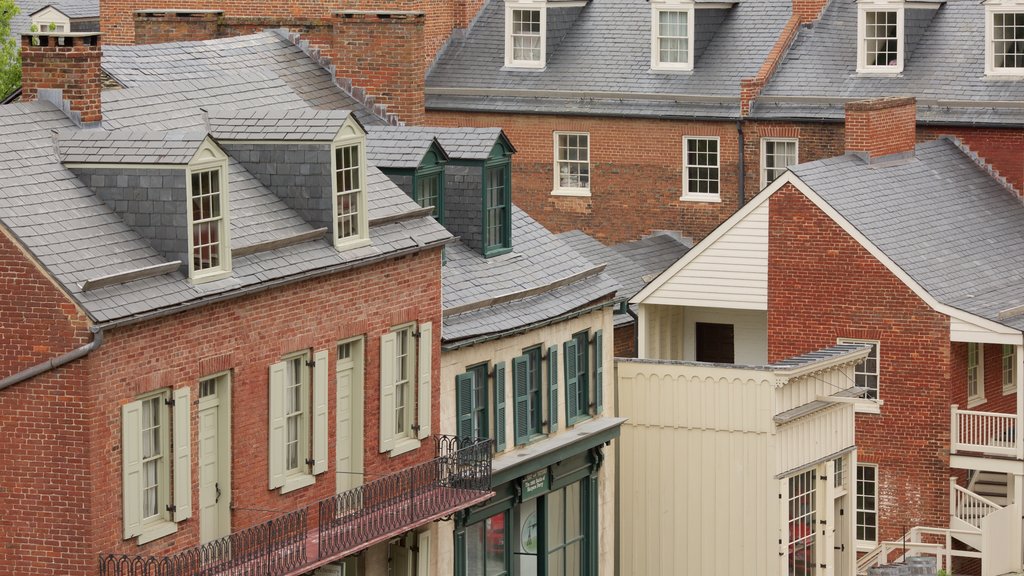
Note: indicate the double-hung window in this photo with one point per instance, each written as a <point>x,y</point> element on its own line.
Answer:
<point>880,30</point>
<point>526,384</point>
<point>700,169</point>
<point>975,374</point>
<point>1009,369</point>
<point>777,154</point>
<point>348,192</point>
<point>296,413</point>
<point>572,163</point>
<point>672,37</point>
<point>867,505</point>
<point>297,420</point>
<point>525,31</point>
<point>429,191</point>
<point>866,372</point>
<point>1004,32</point>
<point>497,209</point>
<point>209,250</point>
<point>405,387</point>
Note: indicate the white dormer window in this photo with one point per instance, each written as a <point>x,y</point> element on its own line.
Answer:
<point>672,37</point>
<point>1004,39</point>
<point>880,33</point>
<point>525,34</point>
<point>351,226</point>
<point>209,244</point>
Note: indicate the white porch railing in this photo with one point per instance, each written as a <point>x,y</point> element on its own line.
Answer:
<point>968,506</point>
<point>911,545</point>
<point>986,432</point>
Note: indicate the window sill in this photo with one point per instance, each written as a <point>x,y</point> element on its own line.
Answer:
<point>524,66</point>
<point>665,69</point>
<point>403,446</point>
<point>157,530</point>
<point>583,192</point>
<point>530,440</point>
<point>296,482</point>
<point>874,408</point>
<point>709,198</point>
<point>975,402</point>
<point>887,71</point>
<point>863,546</point>
<point>205,277</point>
<point>351,244</point>
<point>1007,390</point>
<point>573,420</point>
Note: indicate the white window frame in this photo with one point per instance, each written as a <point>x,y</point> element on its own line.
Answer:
<point>207,159</point>
<point>858,483</point>
<point>975,372</point>
<point>764,156</point>
<point>656,10</point>
<point>862,10</point>
<point>875,406</point>
<point>991,10</point>
<point>302,414</point>
<point>558,189</point>
<point>350,135</point>
<point>510,60</point>
<point>689,196</point>
<point>163,486</point>
<point>1008,366</point>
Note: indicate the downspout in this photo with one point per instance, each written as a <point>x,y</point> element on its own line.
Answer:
<point>742,168</point>
<point>636,331</point>
<point>54,363</point>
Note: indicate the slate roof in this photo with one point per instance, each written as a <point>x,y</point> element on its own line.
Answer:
<point>944,68</point>
<point>631,264</point>
<point>302,124</point>
<point>941,217</point>
<point>459,143</point>
<point>602,64</point>
<point>398,147</point>
<point>538,262</point>
<point>129,146</point>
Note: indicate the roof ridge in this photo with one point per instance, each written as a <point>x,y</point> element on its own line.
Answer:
<point>981,163</point>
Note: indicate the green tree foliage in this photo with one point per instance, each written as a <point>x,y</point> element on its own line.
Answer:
<point>10,57</point>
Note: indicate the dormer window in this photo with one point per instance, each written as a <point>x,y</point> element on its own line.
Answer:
<point>497,204</point>
<point>880,32</point>
<point>525,32</point>
<point>350,211</point>
<point>209,245</point>
<point>672,37</point>
<point>1004,46</point>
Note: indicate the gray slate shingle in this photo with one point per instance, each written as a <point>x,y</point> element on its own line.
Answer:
<point>129,146</point>
<point>275,124</point>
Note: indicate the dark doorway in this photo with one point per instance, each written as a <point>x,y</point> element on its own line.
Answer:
<point>715,343</point>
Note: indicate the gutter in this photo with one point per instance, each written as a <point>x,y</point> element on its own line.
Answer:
<point>54,363</point>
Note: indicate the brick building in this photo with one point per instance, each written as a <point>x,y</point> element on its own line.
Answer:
<point>220,326</point>
<point>891,246</point>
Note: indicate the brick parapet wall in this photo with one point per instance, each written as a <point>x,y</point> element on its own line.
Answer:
<point>809,255</point>
<point>67,63</point>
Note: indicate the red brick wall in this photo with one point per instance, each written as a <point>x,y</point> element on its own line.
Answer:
<point>158,28</point>
<point>636,174</point>
<point>625,341</point>
<point>809,256</point>
<point>996,401</point>
<point>44,489</point>
<point>73,67</point>
<point>816,141</point>
<point>881,127</point>
<point>1002,148</point>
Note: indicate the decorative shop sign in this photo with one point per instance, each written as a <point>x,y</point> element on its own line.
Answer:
<point>535,484</point>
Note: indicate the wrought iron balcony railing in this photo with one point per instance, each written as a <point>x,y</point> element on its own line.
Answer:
<point>457,478</point>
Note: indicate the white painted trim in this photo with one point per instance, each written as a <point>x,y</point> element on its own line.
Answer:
<point>862,9</point>
<point>1003,465</point>
<point>688,196</point>
<point>297,481</point>
<point>991,10</point>
<point>157,530</point>
<point>868,544</point>
<point>404,445</point>
<point>351,133</point>
<point>763,167</point>
<point>656,10</point>
<point>979,398</point>
<point>224,270</point>
<point>511,62</point>
<point>878,359</point>
<point>1010,388</point>
<point>557,189</point>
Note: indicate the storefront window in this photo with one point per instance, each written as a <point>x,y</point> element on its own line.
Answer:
<point>565,532</point>
<point>486,552</point>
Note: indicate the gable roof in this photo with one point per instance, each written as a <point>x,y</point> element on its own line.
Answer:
<point>128,146</point>
<point>302,124</point>
<point>464,143</point>
<point>401,148</point>
<point>944,69</point>
<point>601,64</point>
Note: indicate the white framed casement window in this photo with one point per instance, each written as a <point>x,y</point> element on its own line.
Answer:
<point>1004,39</point>
<point>298,420</point>
<point>209,230</point>
<point>866,506</point>
<point>405,387</point>
<point>348,164</point>
<point>672,36</point>
<point>1009,369</point>
<point>572,164</point>
<point>525,34</point>
<point>777,154</point>
<point>867,374</point>
<point>880,48</point>
<point>701,169</point>
<point>975,374</point>
<point>150,459</point>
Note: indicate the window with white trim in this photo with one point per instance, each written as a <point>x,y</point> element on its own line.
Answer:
<point>701,169</point>
<point>777,154</point>
<point>672,37</point>
<point>880,34</point>
<point>405,387</point>
<point>802,523</point>
<point>207,234</point>
<point>295,412</point>
<point>349,193</point>
<point>867,504</point>
<point>155,468</point>
<point>1004,32</point>
<point>1009,369</point>
<point>572,163</point>
<point>975,374</point>
<point>525,31</point>
<point>297,420</point>
<point>866,372</point>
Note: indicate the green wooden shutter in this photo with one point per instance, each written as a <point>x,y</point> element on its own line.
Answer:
<point>464,404</point>
<point>552,389</point>
<point>460,552</point>
<point>182,455</point>
<point>572,381</point>
<point>598,371</point>
<point>521,390</point>
<point>320,410</point>
<point>499,406</point>
<point>388,348</point>
<point>424,360</point>
<point>131,468</point>
<point>275,444</point>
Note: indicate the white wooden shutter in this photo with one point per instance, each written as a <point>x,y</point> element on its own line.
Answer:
<point>276,442</point>
<point>131,468</point>
<point>182,454</point>
<point>425,362</point>
<point>320,412</point>
<point>387,391</point>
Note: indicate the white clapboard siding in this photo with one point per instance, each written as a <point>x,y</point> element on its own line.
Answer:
<point>814,437</point>
<point>807,389</point>
<point>730,273</point>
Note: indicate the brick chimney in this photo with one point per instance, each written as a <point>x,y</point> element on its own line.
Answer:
<point>66,61</point>
<point>382,52</point>
<point>160,26</point>
<point>881,127</point>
